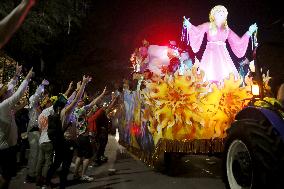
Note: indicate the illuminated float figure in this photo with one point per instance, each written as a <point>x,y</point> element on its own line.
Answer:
<point>216,61</point>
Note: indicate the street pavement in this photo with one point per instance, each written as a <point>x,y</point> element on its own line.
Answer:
<point>125,171</point>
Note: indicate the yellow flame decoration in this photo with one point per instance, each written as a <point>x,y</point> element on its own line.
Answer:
<point>182,108</point>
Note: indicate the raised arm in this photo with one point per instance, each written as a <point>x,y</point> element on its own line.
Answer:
<point>239,44</point>
<point>90,113</point>
<point>13,82</point>
<point>195,34</point>
<point>12,101</point>
<point>18,71</point>
<point>67,92</point>
<point>79,94</point>
<point>12,22</point>
<point>73,95</point>
<point>35,98</point>
<point>94,102</point>
<point>113,100</point>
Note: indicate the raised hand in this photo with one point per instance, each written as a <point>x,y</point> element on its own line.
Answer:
<point>78,85</point>
<point>186,22</point>
<point>113,96</point>
<point>18,70</point>
<point>30,74</point>
<point>45,82</point>
<point>70,85</point>
<point>104,91</point>
<point>87,79</point>
<point>252,28</point>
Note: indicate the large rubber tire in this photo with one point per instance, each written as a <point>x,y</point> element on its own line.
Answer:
<point>253,156</point>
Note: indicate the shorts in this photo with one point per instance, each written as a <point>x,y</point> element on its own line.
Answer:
<point>85,148</point>
<point>8,162</point>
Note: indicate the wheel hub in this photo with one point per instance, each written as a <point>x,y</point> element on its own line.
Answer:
<point>239,166</point>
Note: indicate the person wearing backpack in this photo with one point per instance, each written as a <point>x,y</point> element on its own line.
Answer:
<point>46,141</point>
<point>49,124</point>
<point>64,148</point>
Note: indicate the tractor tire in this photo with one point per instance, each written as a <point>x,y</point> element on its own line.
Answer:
<point>253,156</point>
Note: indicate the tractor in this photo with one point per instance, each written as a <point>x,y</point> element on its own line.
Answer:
<point>254,146</point>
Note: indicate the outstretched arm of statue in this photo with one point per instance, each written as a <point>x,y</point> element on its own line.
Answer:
<point>186,22</point>
<point>194,34</point>
<point>253,28</point>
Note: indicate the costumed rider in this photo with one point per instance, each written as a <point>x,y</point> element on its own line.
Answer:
<point>139,58</point>
<point>179,59</point>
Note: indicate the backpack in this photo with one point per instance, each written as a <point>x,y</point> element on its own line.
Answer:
<point>55,132</point>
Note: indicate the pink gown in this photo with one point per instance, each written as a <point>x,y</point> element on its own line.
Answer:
<point>216,61</point>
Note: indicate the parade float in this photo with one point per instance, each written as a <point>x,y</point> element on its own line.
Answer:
<point>176,109</point>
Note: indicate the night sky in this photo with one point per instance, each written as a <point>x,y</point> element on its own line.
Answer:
<point>114,28</point>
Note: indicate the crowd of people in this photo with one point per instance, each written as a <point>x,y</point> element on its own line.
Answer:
<point>52,127</point>
<point>55,127</point>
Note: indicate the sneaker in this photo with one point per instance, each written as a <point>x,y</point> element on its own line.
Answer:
<point>87,178</point>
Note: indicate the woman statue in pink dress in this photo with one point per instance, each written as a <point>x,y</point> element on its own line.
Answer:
<point>216,61</point>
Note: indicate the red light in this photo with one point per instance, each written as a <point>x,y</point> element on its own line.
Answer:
<point>135,129</point>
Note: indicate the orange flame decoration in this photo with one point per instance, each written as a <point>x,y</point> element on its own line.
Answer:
<point>182,108</point>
